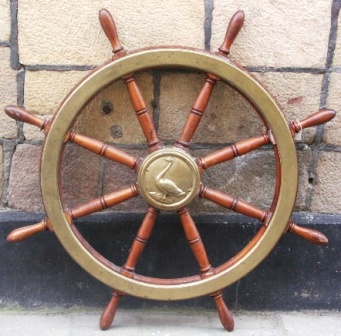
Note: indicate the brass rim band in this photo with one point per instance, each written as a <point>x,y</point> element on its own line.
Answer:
<point>167,57</point>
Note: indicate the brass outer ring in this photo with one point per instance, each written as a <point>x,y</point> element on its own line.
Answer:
<point>168,57</point>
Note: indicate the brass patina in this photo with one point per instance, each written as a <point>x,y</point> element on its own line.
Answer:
<point>169,179</point>
<point>206,62</point>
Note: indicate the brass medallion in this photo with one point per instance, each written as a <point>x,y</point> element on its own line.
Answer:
<point>169,179</point>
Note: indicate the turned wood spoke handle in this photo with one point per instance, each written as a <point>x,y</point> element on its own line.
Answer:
<point>313,236</point>
<point>233,29</point>
<point>320,117</point>
<point>109,28</point>
<point>20,114</point>
<point>26,232</point>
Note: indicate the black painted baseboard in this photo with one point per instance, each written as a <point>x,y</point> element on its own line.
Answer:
<point>296,275</point>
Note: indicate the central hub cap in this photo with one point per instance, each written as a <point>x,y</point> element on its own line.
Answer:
<point>169,179</point>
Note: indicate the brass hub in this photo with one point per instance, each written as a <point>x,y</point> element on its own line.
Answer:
<point>169,179</point>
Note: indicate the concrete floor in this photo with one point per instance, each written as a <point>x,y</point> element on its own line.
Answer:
<point>168,323</point>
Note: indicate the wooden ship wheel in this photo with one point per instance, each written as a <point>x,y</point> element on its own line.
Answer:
<point>169,177</point>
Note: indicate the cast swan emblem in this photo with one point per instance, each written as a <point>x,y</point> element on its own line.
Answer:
<point>166,186</point>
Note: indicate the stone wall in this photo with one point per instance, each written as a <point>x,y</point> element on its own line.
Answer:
<point>292,47</point>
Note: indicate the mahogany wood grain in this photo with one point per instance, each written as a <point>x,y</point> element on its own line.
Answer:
<point>233,29</point>
<point>104,202</point>
<point>230,152</point>
<point>224,313</point>
<point>28,231</point>
<point>103,149</point>
<point>195,243</point>
<point>196,113</point>
<point>313,236</point>
<point>20,114</point>
<point>109,312</point>
<point>109,28</point>
<point>320,117</point>
<point>142,114</point>
<point>128,269</point>
<point>233,203</point>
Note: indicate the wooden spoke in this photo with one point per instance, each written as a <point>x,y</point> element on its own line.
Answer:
<point>95,205</point>
<point>105,150</point>
<point>230,152</point>
<point>104,202</point>
<point>233,203</point>
<point>202,100</point>
<point>196,112</point>
<point>109,28</point>
<point>245,146</point>
<point>313,236</point>
<point>142,114</point>
<point>206,270</point>
<point>128,269</point>
<point>195,242</point>
<point>92,145</point>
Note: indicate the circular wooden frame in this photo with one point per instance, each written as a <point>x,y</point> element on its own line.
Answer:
<point>152,288</point>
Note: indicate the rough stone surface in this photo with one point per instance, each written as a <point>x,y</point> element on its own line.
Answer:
<point>326,197</point>
<point>45,90</point>
<point>5,20</point>
<point>228,117</point>
<point>1,170</point>
<point>337,52</point>
<point>297,93</point>
<point>117,177</point>
<point>24,187</point>
<point>8,94</point>
<point>251,178</point>
<point>276,33</point>
<point>77,38</point>
<point>110,115</point>
<point>79,176</point>
<point>332,133</point>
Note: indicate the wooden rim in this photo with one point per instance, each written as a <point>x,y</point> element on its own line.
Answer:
<point>153,288</point>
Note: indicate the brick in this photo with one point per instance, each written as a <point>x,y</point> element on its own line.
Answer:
<point>228,117</point>
<point>337,52</point>
<point>326,197</point>
<point>80,176</point>
<point>8,94</point>
<point>5,20</point>
<point>297,93</point>
<point>24,187</point>
<point>77,38</point>
<point>120,125</point>
<point>332,134</point>
<point>45,90</point>
<point>251,178</point>
<point>117,177</point>
<point>276,33</point>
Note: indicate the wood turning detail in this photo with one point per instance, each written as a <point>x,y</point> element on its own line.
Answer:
<point>154,143</point>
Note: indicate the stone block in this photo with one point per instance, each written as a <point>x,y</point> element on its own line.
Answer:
<point>77,38</point>
<point>326,197</point>
<point>117,177</point>
<point>228,117</point>
<point>276,33</point>
<point>110,115</point>
<point>24,184</point>
<point>5,20</point>
<point>332,133</point>
<point>1,170</point>
<point>298,94</point>
<point>252,178</point>
<point>45,90</point>
<point>8,94</point>
<point>80,176</point>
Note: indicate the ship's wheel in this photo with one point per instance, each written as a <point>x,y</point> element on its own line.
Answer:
<point>169,177</point>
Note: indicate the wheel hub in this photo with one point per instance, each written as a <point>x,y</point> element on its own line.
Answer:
<point>169,179</point>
